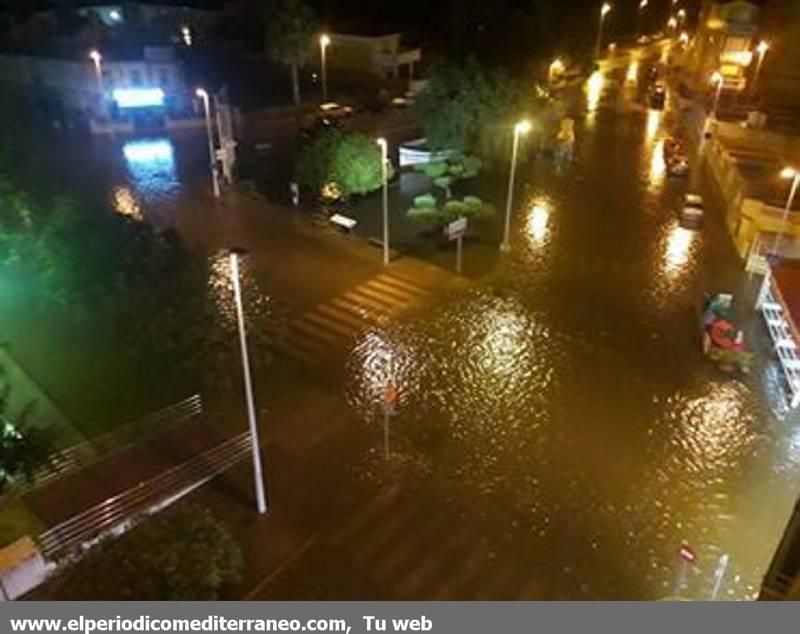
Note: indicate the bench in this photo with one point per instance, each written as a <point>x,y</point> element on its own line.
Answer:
<point>343,221</point>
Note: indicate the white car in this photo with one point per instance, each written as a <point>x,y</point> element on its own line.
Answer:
<point>333,110</point>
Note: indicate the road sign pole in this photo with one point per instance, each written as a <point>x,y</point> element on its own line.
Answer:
<point>459,244</point>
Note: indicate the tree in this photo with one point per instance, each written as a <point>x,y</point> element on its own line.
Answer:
<point>350,160</point>
<point>184,555</point>
<point>24,447</point>
<point>470,108</point>
<point>291,27</point>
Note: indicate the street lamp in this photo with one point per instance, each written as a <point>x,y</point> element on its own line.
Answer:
<point>202,94</point>
<point>385,178</point>
<point>672,23</point>
<point>762,48</point>
<point>97,58</point>
<point>719,80</point>
<point>682,17</point>
<point>255,447</point>
<point>642,7</point>
<point>604,11</point>
<point>523,127</point>
<point>787,173</point>
<point>324,43</point>
<point>556,68</point>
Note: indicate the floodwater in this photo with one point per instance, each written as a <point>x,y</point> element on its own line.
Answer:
<point>568,394</point>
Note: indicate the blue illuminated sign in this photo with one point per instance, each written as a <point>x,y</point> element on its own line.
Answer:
<point>138,97</point>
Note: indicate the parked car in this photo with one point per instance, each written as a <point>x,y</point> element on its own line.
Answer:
<point>333,110</point>
<point>692,210</point>
<point>657,97</point>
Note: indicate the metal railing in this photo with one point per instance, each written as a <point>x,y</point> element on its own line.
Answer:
<point>75,535</point>
<point>87,453</point>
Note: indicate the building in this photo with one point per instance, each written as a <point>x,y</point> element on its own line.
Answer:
<point>724,41</point>
<point>782,581</point>
<point>380,56</point>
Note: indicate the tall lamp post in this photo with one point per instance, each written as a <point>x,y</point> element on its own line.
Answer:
<point>642,6</point>
<point>255,446</point>
<point>604,11</point>
<point>385,178</point>
<point>718,80</point>
<point>761,49</point>
<point>787,173</point>
<point>324,43</point>
<point>523,127</point>
<point>97,59</point>
<point>202,94</point>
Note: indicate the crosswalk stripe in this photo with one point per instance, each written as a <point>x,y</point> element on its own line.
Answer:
<point>353,319</point>
<point>328,322</point>
<point>357,298</point>
<point>359,311</point>
<point>387,299</point>
<point>380,287</point>
<point>454,548</point>
<point>406,553</point>
<point>405,283</point>
<point>386,532</point>
<point>310,330</point>
<point>378,504</point>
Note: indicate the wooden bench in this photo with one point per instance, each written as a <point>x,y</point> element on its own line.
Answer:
<point>344,222</point>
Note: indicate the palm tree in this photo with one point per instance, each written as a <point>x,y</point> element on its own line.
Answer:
<point>291,27</point>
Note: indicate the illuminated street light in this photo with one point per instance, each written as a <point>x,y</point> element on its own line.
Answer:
<point>604,11</point>
<point>682,17</point>
<point>385,179</point>
<point>761,49</point>
<point>97,59</point>
<point>523,127</point>
<point>556,68</point>
<point>793,174</point>
<point>202,94</point>
<point>672,23</point>
<point>718,80</point>
<point>642,6</point>
<point>324,43</point>
<point>255,446</point>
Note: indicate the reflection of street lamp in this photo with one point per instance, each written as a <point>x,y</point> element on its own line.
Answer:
<point>719,80</point>
<point>604,10</point>
<point>762,48</point>
<point>672,23</point>
<point>385,180</point>
<point>523,127</point>
<point>787,173</point>
<point>97,58</point>
<point>255,447</point>
<point>684,38</point>
<point>324,43</point>
<point>210,133</point>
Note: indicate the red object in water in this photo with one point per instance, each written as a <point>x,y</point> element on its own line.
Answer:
<point>687,554</point>
<point>723,335</point>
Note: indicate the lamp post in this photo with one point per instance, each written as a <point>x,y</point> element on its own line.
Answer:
<point>97,58</point>
<point>385,178</point>
<point>255,447</point>
<point>642,6</point>
<point>761,49</point>
<point>787,173</point>
<point>719,80</point>
<point>682,17</point>
<point>523,127</point>
<point>604,11</point>
<point>200,92</point>
<point>556,68</point>
<point>324,43</point>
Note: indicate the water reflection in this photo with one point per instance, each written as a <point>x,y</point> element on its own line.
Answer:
<point>125,203</point>
<point>538,219</point>
<point>152,176</point>
<point>632,75</point>
<point>677,250</point>
<point>653,123</point>
<point>658,166</point>
<point>594,90</point>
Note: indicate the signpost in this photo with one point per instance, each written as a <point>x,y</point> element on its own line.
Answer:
<point>455,231</point>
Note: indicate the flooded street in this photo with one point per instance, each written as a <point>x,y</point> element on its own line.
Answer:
<point>568,392</point>
<point>565,395</point>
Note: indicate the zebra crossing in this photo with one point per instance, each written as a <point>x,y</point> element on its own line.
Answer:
<point>412,550</point>
<point>330,326</point>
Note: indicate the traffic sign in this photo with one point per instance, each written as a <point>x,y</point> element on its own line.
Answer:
<point>687,554</point>
<point>456,229</point>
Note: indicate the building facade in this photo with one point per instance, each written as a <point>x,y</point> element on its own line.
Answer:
<point>375,55</point>
<point>724,41</point>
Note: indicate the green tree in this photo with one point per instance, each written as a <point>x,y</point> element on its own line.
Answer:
<point>471,109</point>
<point>183,555</point>
<point>350,160</point>
<point>291,27</point>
